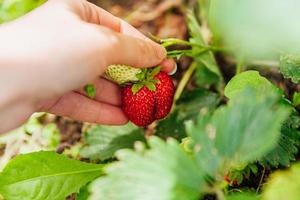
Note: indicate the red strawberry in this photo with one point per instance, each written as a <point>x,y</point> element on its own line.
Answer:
<point>229,181</point>
<point>152,99</point>
<point>138,107</point>
<point>164,95</point>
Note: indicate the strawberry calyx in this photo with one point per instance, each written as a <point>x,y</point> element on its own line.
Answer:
<point>147,79</point>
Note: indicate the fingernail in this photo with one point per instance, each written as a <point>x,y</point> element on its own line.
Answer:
<point>174,70</point>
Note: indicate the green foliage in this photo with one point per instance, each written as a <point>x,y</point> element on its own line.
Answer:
<point>101,142</point>
<point>238,133</point>
<point>191,102</point>
<point>45,176</point>
<point>288,145</point>
<point>250,79</point>
<point>172,126</point>
<point>242,196</point>
<point>164,172</point>
<point>290,67</point>
<point>12,9</point>
<point>187,107</point>
<point>284,185</point>
<point>296,99</point>
<point>239,173</point>
<point>256,30</point>
<point>207,71</point>
<point>83,193</point>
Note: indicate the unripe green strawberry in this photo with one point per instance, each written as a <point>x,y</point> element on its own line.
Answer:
<point>122,73</point>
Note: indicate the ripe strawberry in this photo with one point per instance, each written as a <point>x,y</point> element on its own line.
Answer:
<point>122,73</point>
<point>138,107</point>
<point>229,181</point>
<point>148,100</point>
<point>164,95</point>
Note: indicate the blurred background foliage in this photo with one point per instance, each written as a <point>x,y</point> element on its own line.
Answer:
<point>260,30</point>
<point>11,9</point>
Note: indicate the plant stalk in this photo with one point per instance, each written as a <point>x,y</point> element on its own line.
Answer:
<point>183,82</point>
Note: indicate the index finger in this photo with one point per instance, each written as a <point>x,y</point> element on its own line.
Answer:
<point>100,16</point>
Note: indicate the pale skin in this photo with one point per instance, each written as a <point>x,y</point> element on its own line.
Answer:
<point>48,56</point>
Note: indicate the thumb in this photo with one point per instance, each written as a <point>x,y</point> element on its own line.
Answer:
<point>136,52</point>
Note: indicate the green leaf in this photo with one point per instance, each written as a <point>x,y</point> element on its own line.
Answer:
<point>253,168</point>
<point>45,176</point>
<point>290,67</point>
<point>238,133</point>
<point>242,196</point>
<point>136,87</point>
<point>90,90</point>
<point>249,79</point>
<point>101,142</point>
<point>283,185</point>
<point>83,193</point>
<point>141,76</point>
<point>164,172</point>
<point>151,86</point>
<point>207,59</point>
<point>296,99</point>
<point>288,145</point>
<point>286,148</point>
<point>194,101</point>
<point>154,72</point>
<point>172,126</point>
<point>204,77</point>
<point>239,173</point>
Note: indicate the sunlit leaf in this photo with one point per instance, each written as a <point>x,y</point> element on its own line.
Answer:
<point>249,79</point>
<point>45,176</point>
<point>283,185</point>
<point>164,172</point>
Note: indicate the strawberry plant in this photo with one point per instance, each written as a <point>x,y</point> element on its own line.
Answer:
<point>222,128</point>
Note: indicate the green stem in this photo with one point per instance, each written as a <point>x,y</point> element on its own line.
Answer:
<point>240,66</point>
<point>261,180</point>
<point>175,53</point>
<point>183,82</point>
<point>175,41</point>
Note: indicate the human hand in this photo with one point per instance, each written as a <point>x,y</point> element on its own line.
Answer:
<point>66,44</point>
